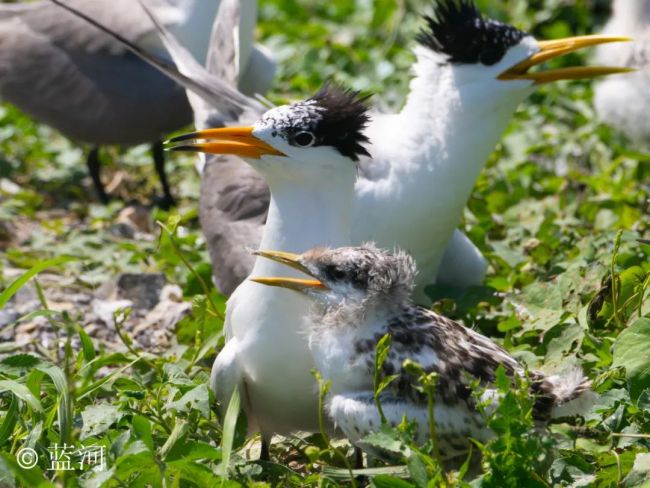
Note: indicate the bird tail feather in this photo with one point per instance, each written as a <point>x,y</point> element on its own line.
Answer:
<point>573,394</point>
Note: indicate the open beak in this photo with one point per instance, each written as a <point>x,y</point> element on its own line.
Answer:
<point>293,261</point>
<point>560,47</point>
<point>237,141</point>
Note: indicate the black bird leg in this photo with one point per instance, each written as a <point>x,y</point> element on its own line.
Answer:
<point>93,164</point>
<point>265,453</point>
<point>358,458</point>
<point>159,160</point>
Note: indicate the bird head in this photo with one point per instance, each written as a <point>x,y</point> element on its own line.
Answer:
<point>479,51</point>
<point>324,132</point>
<point>364,276</point>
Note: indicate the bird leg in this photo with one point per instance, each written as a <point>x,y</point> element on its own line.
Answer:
<point>265,453</point>
<point>159,160</point>
<point>358,458</point>
<point>93,165</point>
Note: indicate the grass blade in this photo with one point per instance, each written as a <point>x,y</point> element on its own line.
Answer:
<point>19,282</point>
<point>229,428</point>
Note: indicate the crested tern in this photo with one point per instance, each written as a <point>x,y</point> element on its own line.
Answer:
<point>360,294</point>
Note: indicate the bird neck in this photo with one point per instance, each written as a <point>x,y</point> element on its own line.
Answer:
<point>453,119</point>
<point>455,111</point>
<point>635,13</point>
<point>305,214</point>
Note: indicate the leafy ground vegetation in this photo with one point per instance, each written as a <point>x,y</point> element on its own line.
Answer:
<point>557,211</point>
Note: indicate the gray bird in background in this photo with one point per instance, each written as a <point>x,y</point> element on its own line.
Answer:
<point>66,73</point>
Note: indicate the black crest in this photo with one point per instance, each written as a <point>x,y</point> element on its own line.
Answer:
<point>344,116</point>
<point>458,30</point>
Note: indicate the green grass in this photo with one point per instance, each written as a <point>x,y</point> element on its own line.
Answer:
<point>557,211</point>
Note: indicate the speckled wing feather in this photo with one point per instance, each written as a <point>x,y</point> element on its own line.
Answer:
<point>459,355</point>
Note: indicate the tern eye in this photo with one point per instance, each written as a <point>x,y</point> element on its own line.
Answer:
<point>304,139</point>
<point>335,274</point>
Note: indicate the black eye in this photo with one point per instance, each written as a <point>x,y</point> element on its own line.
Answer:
<point>335,274</point>
<point>304,139</point>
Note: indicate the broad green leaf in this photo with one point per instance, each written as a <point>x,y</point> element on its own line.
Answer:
<point>385,481</point>
<point>631,352</point>
<point>639,477</point>
<point>196,399</point>
<point>177,437</point>
<point>385,439</point>
<point>142,429</point>
<point>97,419</point>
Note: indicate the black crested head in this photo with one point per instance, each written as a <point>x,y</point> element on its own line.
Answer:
<point>334,117</point>
<point>344,118</point>
<point>459,31</point>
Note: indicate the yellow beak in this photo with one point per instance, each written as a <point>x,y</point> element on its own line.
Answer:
<point>237,141</point>
<point>554,49</point>
<point>293,261</point>
<point>295,284</point>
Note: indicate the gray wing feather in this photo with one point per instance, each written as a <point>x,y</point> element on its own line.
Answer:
<point>234,198</point>
<point>71,32</point>
<point>233,206</point>
<point>73,80</point>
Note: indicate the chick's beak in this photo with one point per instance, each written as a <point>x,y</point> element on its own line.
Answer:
<point>561,47</point>
<point>293,261</point>
<point>296,284</point>
<point>237,141</point>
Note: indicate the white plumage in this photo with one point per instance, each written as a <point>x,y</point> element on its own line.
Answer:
<point>624,101</point>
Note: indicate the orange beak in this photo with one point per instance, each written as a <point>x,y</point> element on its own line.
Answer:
<point>560,47</point>
<point>236,141</point>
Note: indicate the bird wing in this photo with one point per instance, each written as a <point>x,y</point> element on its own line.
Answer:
<point>460,355</point>
<point>226,374</point>
<point>439,344</point>
<point>223,53</point>
<point>233,206</point>
<point>72,33</point>
<point>76,84</point>
<point>234,198</point>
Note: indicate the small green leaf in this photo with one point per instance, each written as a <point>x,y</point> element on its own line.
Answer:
<point>142,429</point>
<point>631,351</point>
<point>97,419</point>
<point>9,422</point>
<point>385,481</point>
<point>196,399</point>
